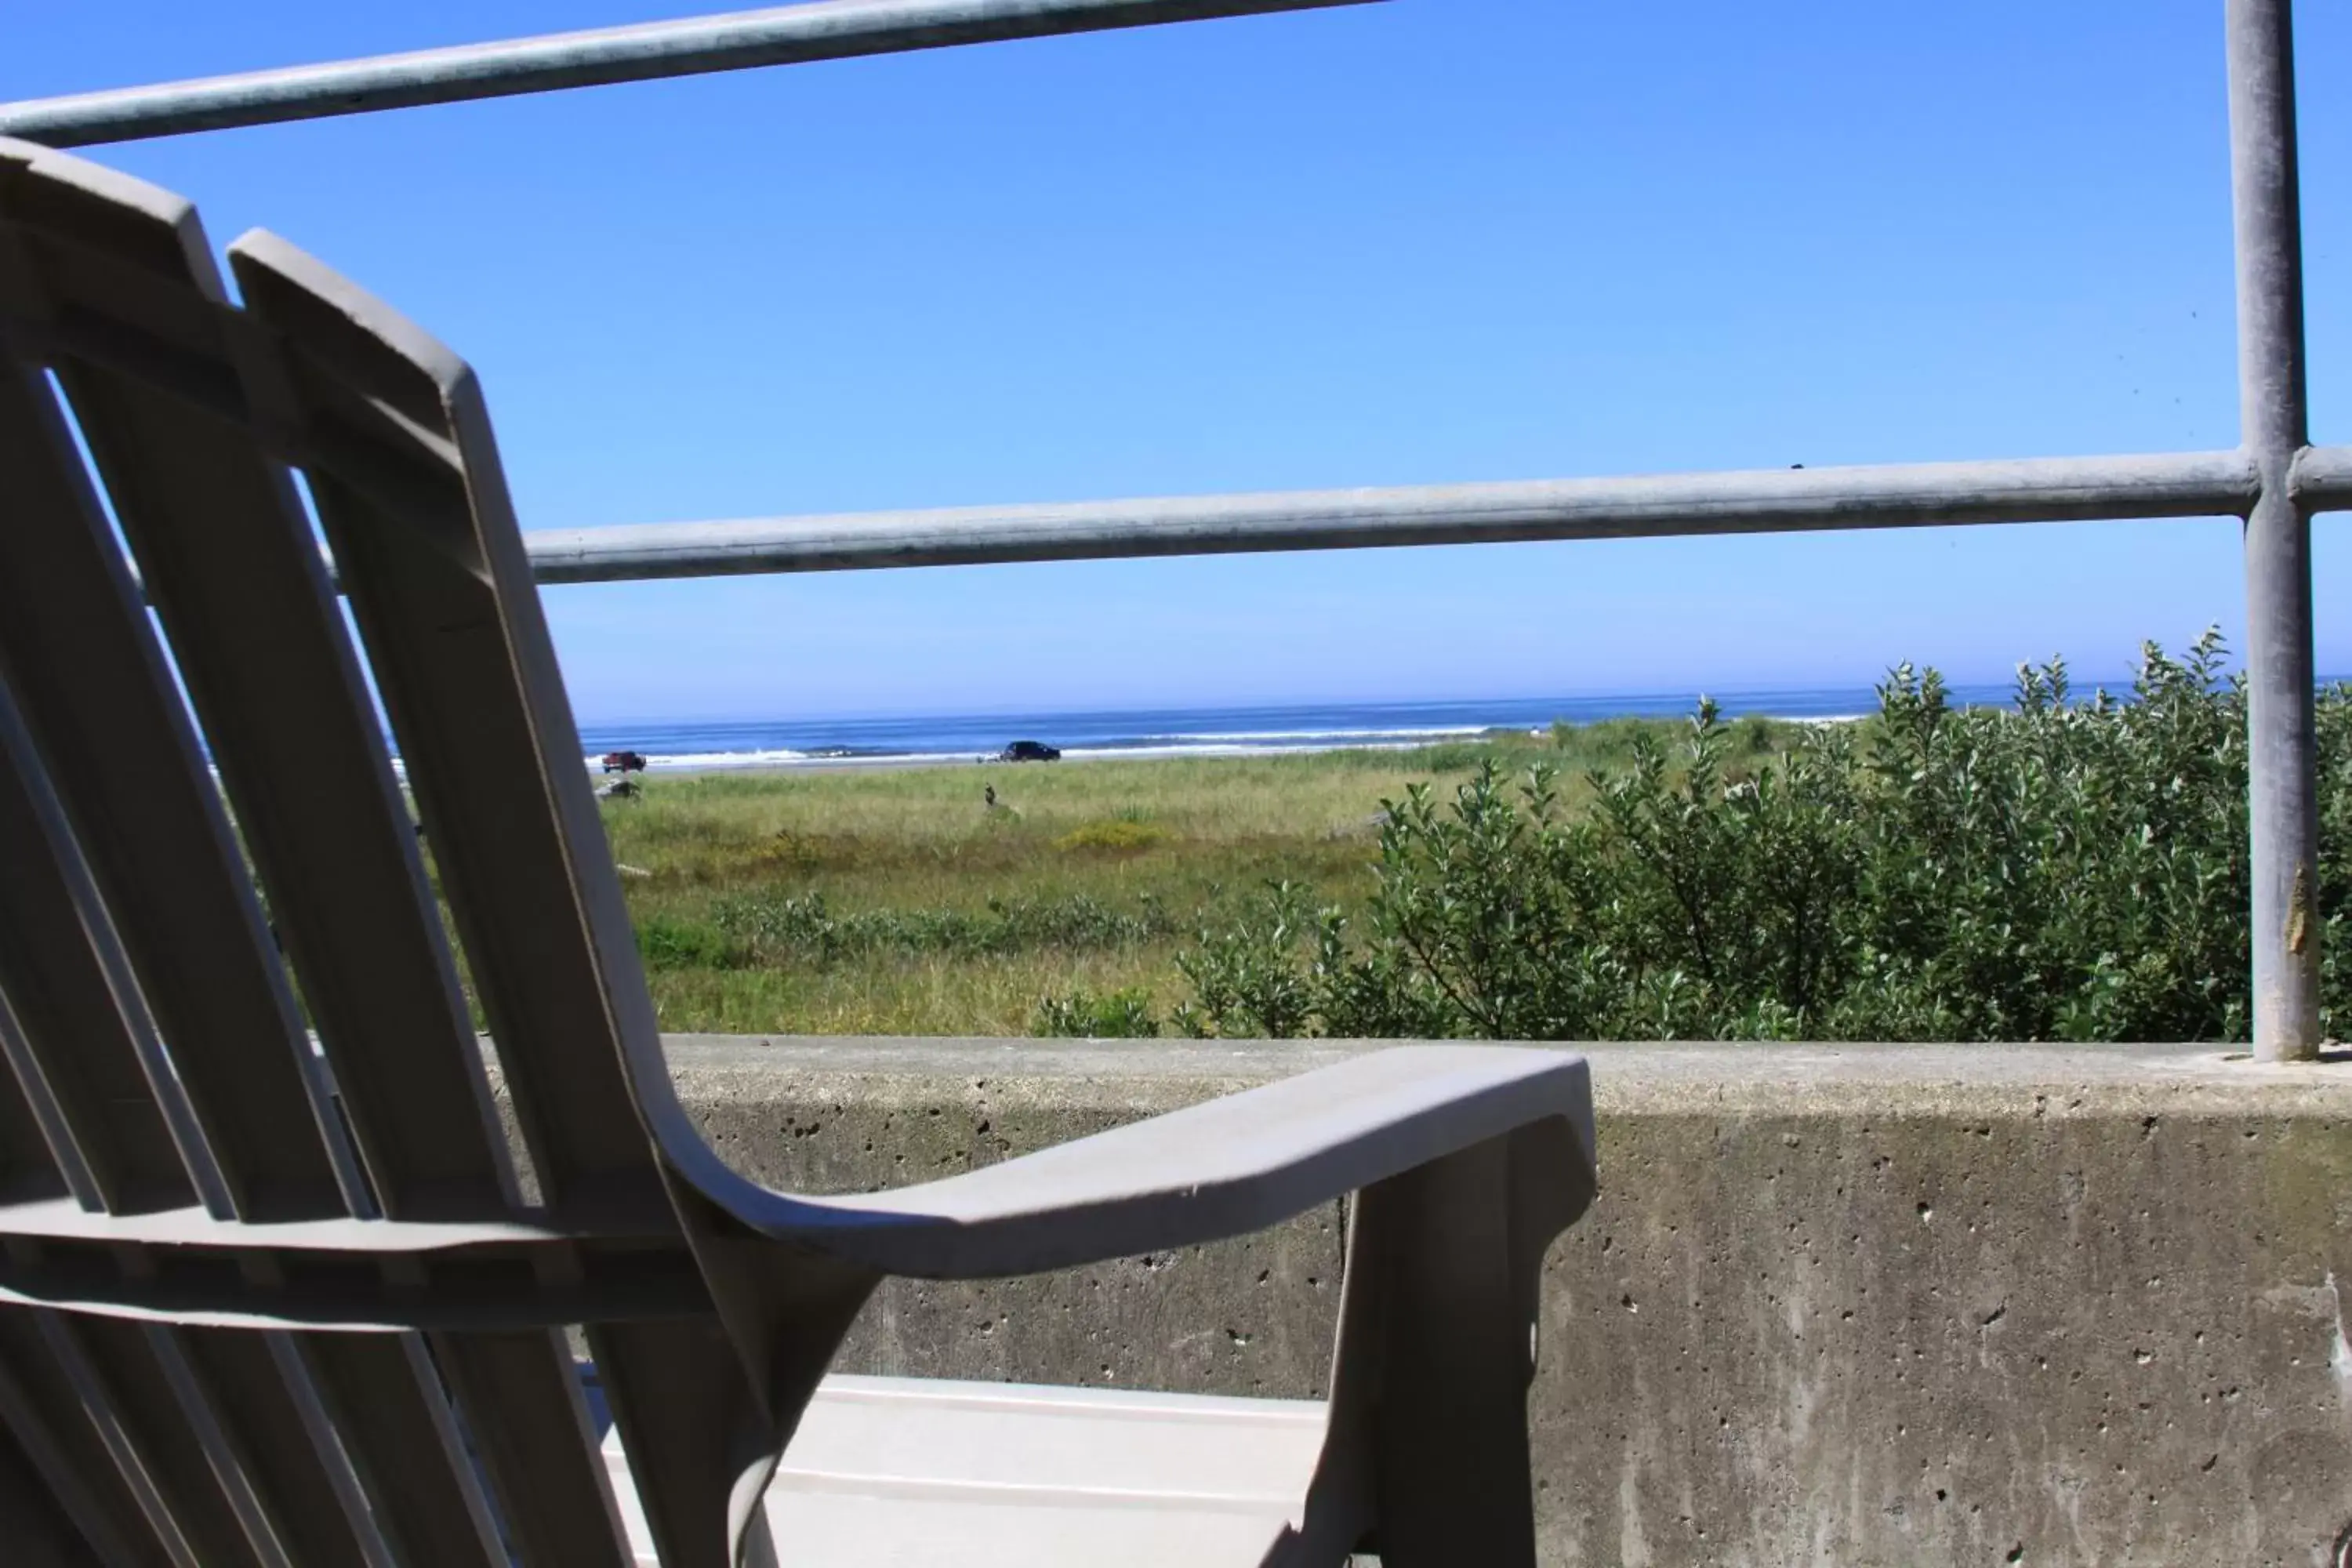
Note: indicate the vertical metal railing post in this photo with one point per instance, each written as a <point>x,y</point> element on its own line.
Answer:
<point>2284,799</point>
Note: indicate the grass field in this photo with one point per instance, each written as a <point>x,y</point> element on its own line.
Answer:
<point>898,902</point>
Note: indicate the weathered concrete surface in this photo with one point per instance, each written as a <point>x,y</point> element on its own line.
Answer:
<point>1858,1306</point>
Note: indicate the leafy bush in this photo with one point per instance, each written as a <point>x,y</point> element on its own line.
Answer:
<point>2059,869</point>
<point>1247,979</point>
<point>1122,1015</point>
<point>666,941</point>
<point>2334,733</point>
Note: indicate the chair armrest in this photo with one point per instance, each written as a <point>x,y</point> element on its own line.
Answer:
<point>1222,1168</point>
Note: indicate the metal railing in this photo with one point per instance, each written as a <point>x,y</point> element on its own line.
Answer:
<point>2275,481</point>
<point>786,35</point>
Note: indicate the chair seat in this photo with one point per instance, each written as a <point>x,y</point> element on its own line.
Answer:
<point>906,1471</point>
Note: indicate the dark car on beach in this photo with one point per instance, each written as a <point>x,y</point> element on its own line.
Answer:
<point>1030,752</point>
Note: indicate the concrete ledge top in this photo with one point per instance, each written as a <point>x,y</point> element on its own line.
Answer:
<point>1653,1077</point>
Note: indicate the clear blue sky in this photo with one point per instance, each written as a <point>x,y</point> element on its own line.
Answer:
<point>1430,240</point>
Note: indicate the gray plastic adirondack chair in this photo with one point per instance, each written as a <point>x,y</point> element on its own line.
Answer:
<point>270,1302</point>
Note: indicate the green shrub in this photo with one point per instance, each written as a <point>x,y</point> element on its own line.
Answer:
<point>1122,1015</point>
<point>2059,869</point>
<point>666,941</point>
<point>1246,978</point>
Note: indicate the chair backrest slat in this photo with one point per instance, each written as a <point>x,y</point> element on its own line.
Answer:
<point>95,692</point>
<point>73,1022</point>
<point>217,530</point>
<point>48,1362</point>
<point>228,1472</point>
<point>44,1529</point>
<point>409,1456</point>
<point>415,510</point>
<point>135,1364</point>
<point>97,695</point>
<point>552,1488</point>
<point>310,1503</point>
<point>29,1171</point>
<point>38,1407</point>
<point>477,705</point>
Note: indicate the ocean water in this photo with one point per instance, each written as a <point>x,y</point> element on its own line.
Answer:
<point>1184,732</point>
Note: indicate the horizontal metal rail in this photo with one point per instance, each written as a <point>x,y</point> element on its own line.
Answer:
<point>2321,479</point>
<point>785,34</point>
<point>1912,495</point>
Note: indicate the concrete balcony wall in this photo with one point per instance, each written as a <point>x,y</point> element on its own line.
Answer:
<point>1861,1305</point>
